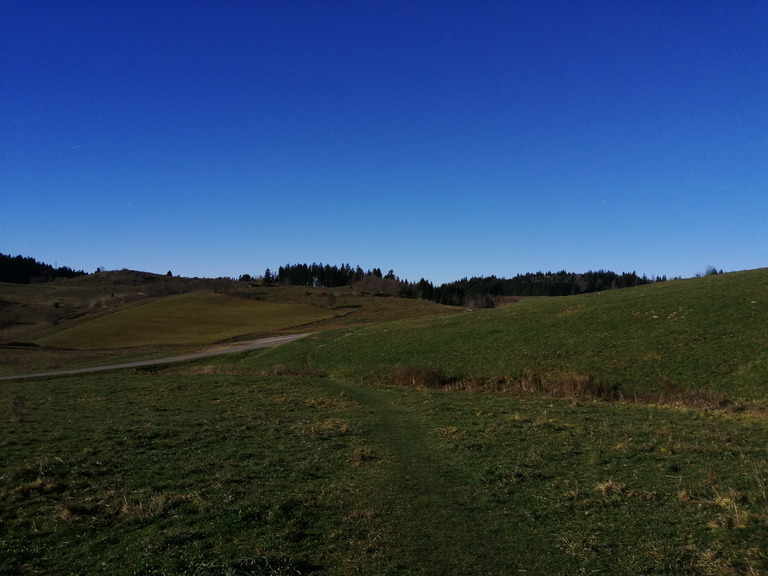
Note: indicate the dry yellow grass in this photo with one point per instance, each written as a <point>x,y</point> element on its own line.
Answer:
<point>196,318</point>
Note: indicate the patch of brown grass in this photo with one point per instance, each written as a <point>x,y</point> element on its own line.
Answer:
<point>420,377</point>
<point>326,428</point>
<point>535,383</point>
<point>553,384</point>
<point>41,485</point>
<point>609,488</point>
<point>673,395</point>
<point>18,404</point>
<point>137,505</point>
<point>362,455</point>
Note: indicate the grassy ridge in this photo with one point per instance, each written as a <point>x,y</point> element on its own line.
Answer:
<point>196,318</point>
<point>26,310</point>
<point>81,316</point>
<point>706,333</point>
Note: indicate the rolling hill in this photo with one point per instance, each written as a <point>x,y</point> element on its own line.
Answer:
<point>365,449</point>
<point>195,318</point>
<point>708,333</point>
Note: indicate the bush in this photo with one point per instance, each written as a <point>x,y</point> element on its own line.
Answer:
<point>567,385</point>
<point>532,382</point>
<point>420,377</point>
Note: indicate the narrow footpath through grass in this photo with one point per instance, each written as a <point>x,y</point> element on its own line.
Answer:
<point>431,517</point>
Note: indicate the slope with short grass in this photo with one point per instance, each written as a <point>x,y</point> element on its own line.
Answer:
<point>29,310</point>
<point>99,318</point>
<point>196,318</point>
<point>707,333</point>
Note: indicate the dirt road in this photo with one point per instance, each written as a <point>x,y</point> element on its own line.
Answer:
<point>213,351</point>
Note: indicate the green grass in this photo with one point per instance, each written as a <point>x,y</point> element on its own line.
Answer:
<point>196,473</point>
<point>702,334</point>
<point>28,309</point>
<point>196,318</point>
<point>307,459</point>
<point>102,312</point>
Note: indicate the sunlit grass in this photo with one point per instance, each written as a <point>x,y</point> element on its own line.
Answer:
<point>196,318</point>
<point>489,442</point>
<point>705,333</point>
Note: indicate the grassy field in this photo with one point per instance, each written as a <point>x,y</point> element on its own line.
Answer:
<point>131,316</point>
<point>705,334</point>
<point>614,433</point>
<point>198,473</point>
<point>195,318</point>
<point>26,310</point>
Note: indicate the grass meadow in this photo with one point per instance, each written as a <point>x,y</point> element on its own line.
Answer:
<point>616,433</point>
<point>703,335</point>
<point>118,316</point>
<point>194,318</point>
<point>199,473</point>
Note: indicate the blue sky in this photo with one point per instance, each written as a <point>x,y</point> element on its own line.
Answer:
<point>438,139</point>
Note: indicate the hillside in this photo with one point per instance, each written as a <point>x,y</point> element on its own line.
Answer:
<point>28,310</point>
<point>194,318</point>
<point>365,449</point>
<point>707,333</point>
<point>134,315</point>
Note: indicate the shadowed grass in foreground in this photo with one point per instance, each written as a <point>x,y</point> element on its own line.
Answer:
<point>145,472</point>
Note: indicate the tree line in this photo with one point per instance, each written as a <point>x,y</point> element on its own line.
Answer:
<point>21,270</point>
<point>476,292</point>
<point>484,291</point>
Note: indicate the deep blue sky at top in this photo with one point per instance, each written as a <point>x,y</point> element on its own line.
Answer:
<point>440,139</point>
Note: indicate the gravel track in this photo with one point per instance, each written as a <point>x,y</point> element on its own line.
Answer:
<point>213,351</point>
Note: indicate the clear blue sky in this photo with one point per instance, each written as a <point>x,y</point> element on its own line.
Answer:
<point>439,139</point>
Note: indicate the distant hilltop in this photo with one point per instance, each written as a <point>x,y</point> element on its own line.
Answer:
<point>21,270</point>
<point>476,292</point>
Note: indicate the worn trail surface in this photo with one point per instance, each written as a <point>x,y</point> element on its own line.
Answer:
<point>213,351</point>
<point>431,506</point>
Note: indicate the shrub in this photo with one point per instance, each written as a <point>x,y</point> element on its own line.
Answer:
<point>420,377</point>
<point>567,385</point>
<point>532,382</point>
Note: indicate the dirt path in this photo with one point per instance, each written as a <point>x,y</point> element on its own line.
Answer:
<point>212,351</point>
<point>430,506</point>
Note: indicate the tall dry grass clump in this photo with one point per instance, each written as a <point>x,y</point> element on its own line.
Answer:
<point>554,384</point>
<point>420,377</point>
<point>566,385</point>
<point>533,382</point>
